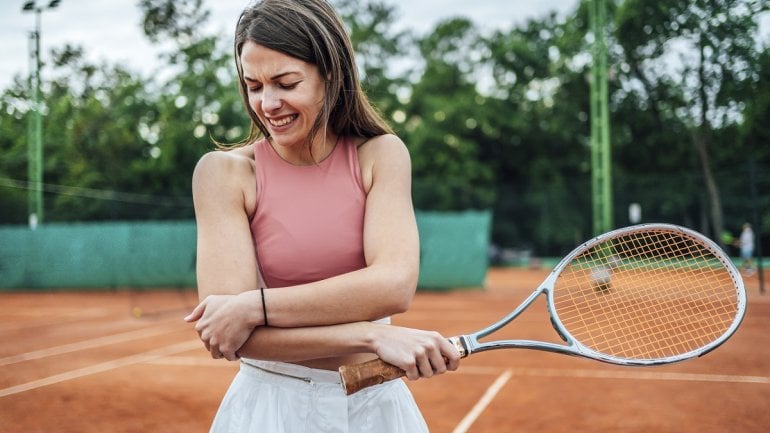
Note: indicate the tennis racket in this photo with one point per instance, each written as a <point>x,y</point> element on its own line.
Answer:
<point>642,295</point>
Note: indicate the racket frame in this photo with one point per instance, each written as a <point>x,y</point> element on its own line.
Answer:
<point>469,343</point>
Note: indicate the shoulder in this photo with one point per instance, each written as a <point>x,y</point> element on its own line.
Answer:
<point>382,158</point>
<point>223,171</point>
<point>381,141</point>
<point>224,163</point>
<point>383,149</point>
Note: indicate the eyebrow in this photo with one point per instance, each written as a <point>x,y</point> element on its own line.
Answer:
<point>274,77</point>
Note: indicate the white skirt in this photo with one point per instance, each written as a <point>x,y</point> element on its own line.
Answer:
<point>277,397</point>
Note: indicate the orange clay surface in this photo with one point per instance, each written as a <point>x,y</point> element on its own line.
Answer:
<point>81,362</point>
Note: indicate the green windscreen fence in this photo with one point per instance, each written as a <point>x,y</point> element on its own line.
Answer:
<point>162,254</point>
<point>109,255</point>
<point>453,248</point>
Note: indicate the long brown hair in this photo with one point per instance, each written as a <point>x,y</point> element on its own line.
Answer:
<point>311,31</point>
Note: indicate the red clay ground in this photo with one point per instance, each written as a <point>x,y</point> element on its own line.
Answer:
<point>80,362</point>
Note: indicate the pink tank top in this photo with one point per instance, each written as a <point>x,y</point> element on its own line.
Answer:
<point>309,220</point>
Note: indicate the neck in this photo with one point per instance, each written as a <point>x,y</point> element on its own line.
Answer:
<point>301,154</point>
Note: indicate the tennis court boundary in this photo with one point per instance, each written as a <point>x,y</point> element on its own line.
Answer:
<point>101,367</point>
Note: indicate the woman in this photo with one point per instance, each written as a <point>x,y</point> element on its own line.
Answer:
<point>307,240</point>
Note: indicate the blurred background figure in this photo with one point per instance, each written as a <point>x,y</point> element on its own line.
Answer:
<point>746,244</point>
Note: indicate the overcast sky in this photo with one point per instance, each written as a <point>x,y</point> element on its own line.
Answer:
<point>110,30</point>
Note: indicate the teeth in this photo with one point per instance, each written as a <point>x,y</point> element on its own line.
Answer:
<point>283,121</point>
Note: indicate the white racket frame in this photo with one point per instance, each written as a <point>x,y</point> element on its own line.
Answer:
<point>469,343</point>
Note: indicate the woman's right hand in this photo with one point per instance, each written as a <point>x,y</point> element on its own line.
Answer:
<point>419,353</point>
<point>225,322</point>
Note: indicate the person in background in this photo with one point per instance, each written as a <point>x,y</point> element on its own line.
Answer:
<point>307,238</point>
<point>746,244</point>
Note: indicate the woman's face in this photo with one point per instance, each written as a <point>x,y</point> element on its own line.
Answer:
<point>286,93</point>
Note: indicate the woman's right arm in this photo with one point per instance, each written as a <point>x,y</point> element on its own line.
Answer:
<point>226,263</point>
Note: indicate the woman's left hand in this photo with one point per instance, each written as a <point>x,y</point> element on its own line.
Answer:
<point>225,322</point>
<point>419,353</point>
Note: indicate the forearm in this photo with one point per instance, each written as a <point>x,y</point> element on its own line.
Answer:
<point>225,322</point>
<point>301,344</point>
<point>419,353</point>
<point>367,294</point>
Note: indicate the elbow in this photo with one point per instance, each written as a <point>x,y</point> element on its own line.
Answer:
<point>401,307</point>
<point>402,285</point>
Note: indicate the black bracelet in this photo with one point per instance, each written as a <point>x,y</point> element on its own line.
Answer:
<point>264,307</point>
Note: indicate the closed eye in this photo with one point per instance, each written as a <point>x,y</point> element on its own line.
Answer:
<point>253,88</point>
<point>252,85</point>
<point>289,86</point>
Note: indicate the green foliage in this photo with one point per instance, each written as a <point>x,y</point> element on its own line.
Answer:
<point>176,19</point>
<point>376,46</point>
<point>442,128</point>
<point>13,145</point>
<point>493,119</point>
<point>696,64</point>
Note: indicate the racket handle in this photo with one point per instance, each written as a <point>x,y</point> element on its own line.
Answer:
<point>359,376</point>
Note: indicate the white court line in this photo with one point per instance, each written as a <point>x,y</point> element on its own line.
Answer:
<point>482,404</point>
<point>630,374</point>
<point>492,391</point>
<point>102,367</point>
<point>636,374</point>
<point>189,361</point>
<point>59,318</point>
<point>87,344</point>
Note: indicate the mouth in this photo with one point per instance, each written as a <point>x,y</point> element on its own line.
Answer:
<point>279,122</point>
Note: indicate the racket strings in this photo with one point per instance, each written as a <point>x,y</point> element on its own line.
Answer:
<point>646,295</point>
<point>635,341</point>
<point>669,325</point>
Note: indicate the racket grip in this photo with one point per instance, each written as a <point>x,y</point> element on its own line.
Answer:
<point>359,376</point>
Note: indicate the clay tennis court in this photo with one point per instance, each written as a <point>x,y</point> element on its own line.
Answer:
<point>81,362</point>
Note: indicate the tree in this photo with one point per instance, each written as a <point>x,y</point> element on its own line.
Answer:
<point>15,104</point>
<point>91,137</point>
<point>695,60</point>
<point>539,112</point>
<point>376,48</point>
<point>443,123</point>
<point>755,132</point>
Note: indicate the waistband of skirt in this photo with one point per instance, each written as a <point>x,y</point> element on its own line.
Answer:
<point>293,371</point>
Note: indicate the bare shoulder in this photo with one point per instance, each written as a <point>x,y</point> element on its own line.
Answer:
<point>383,157</point>
<point>224,173</point>
<point>219,165</point>
<point>382,143</point>
<point>383,149</point>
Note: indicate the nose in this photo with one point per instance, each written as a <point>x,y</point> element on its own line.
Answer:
<point>270,100</point>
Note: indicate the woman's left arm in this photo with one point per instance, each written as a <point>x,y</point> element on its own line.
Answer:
<point>387,284</point>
